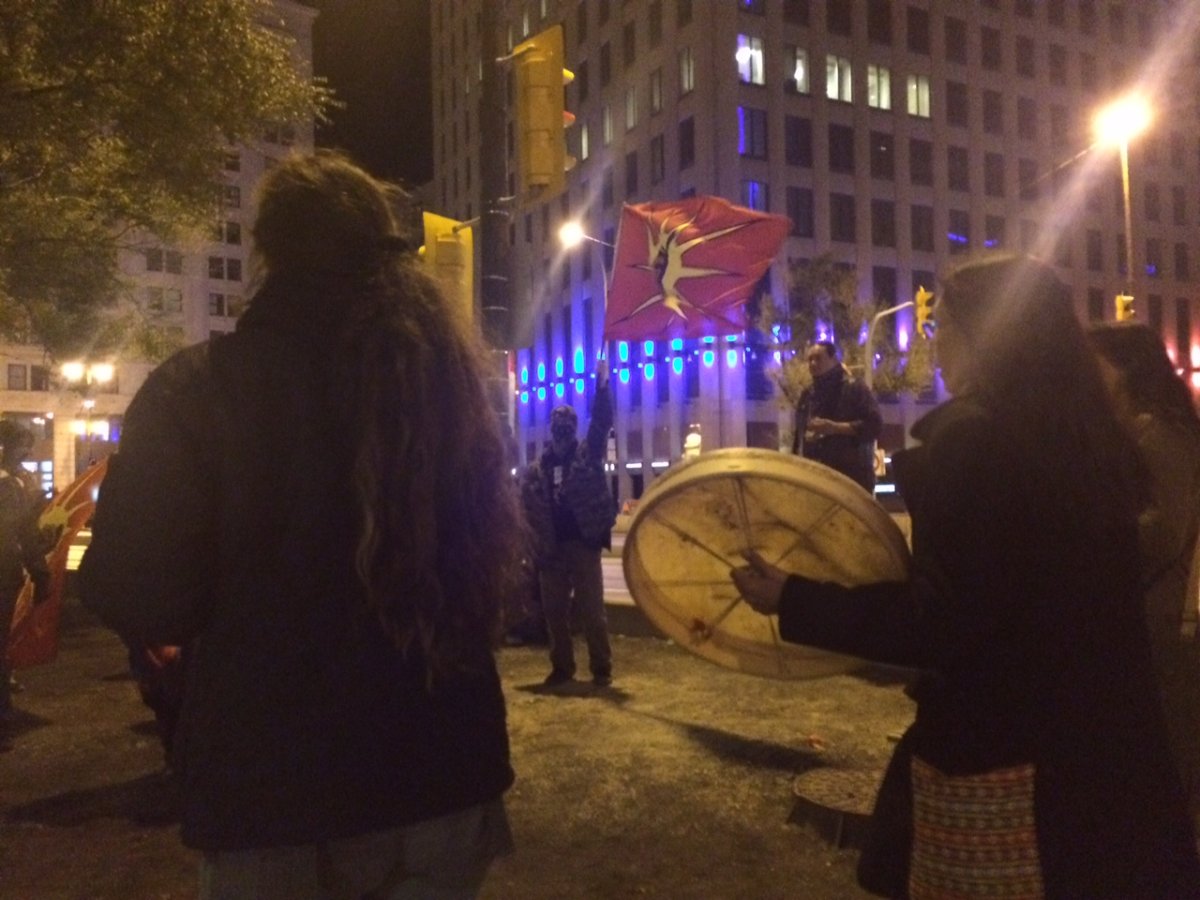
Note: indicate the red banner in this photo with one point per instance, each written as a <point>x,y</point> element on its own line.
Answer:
<point>33,640</point>
<point>684,268</point>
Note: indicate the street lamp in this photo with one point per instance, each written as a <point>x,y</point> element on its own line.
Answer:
<point>571,235</point>
<point>82,377</point>
<point>1116,125</point>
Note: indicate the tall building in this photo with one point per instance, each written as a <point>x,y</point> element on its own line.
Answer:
<point>894,134</point>
<point>184,293</point>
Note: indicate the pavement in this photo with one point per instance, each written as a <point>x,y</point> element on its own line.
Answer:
<point>682,780</point>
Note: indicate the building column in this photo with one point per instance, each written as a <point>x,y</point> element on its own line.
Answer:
<point>64,452</point>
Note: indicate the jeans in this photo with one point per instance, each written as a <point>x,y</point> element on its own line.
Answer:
<point>441,859</point>
<point>575,569</point>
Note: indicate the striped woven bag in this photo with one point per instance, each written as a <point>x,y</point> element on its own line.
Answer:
<point>974,835</point>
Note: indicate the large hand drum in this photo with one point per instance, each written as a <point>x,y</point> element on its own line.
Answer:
<point>695,524</point>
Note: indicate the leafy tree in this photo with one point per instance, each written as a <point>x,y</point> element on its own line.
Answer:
<point>115,119</point>
<point>823,299</point>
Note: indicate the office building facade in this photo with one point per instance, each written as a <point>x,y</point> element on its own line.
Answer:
<point>896,135</point>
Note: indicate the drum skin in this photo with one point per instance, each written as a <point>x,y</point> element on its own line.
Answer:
<point>697,522</point>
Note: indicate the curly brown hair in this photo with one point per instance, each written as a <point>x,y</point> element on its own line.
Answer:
<point>439,543</point>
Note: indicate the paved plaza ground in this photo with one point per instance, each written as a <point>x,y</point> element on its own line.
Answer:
<point>675,782</point>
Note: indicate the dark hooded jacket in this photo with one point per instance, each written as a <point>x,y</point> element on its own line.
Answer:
<point>583,508</point>
<point>228,521</point>
<point>837,397</point>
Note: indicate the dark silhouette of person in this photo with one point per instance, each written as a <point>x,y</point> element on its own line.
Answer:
<point>319,506</point>
<point>1038,727</point>
<point>837,418</point>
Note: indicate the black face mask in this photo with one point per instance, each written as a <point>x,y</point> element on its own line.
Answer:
<point>562,432</point>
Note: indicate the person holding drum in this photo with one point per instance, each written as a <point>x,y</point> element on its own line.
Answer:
<point>1038,762</point>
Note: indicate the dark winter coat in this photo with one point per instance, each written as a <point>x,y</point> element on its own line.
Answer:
<point>227,520</point>
<point>838,397</point>
<point>1034,647</point>
<point>584,495</point>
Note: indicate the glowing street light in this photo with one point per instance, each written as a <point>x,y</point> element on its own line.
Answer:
<point>571,235</point>
<point>1116,125</point>
<point>78,373</point>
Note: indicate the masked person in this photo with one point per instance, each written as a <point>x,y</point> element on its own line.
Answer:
<point>570,511</point>
<point>837,418</point>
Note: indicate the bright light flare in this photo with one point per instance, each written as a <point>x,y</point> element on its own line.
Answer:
<point>570,234</point>
<point>1122,120</point>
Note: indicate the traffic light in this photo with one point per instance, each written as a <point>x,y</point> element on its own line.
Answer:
<point>542,160</point>
<point>1124,307</point>
<point>923,304</point>
<point>450,254</point>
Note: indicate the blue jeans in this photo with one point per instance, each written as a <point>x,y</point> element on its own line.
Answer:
<point>441,859</point>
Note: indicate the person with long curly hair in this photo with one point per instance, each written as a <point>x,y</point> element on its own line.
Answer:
<point>1038,763</point>
<point>318,504</point>
<point>1156,409</point>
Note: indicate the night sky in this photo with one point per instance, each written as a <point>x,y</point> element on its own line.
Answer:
<point>375,55</point>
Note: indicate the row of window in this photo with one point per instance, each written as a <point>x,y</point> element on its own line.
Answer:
<point>170,300</point>
<point>220,267</point>
<point>1031,182</point>
<point>839,19</point>
<point>839,76</point>
<point>22,377</point>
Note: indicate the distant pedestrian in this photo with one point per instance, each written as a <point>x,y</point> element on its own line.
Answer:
<point>571,513</point>
<point>1155,407</point>
<point>837,418</point>
<point>319,506</point>
<point>22,547</point>
<point>1038,764</point>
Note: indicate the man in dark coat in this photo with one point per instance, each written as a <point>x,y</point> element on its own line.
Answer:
<point>570,510</point>
<point>837,418</point>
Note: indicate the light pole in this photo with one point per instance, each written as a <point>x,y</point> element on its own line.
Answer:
<point>1115,125</point>
<point>571,235</point>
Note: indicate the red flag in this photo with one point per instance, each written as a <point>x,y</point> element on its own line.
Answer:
<point>684,268</point>
<point>34,636</point>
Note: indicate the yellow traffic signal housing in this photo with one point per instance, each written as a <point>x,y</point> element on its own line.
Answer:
<point>1124,307</point>
<point>449,251</point>
<point>541,118</point>
<point>923,304</point>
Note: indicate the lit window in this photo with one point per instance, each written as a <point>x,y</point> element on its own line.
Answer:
<point>750,59</point>
<point>584,149</point>
<point>918,96</point>
<point>752,132</point>
<point>687,71</point>
<point>631,107</point>
<point>754,194</point>
<point>879,87</point>
<point>838,78</point>
<point>656,91</point>
<point>606,124</point>
<point>798,76</point>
